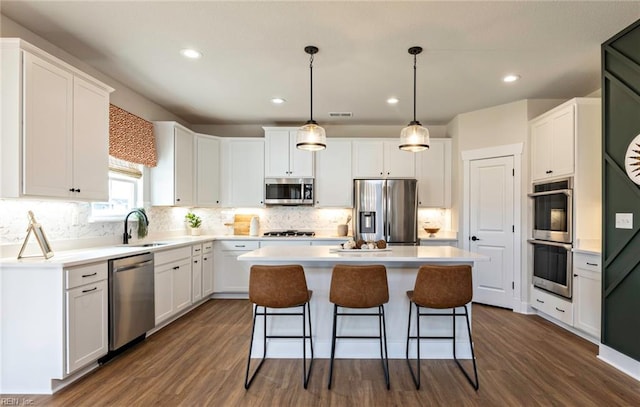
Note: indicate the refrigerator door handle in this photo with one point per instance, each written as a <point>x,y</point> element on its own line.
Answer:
<point>387,211</point>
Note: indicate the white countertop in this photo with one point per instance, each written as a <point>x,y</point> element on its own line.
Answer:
<point>588,246</point>
<point>396,254</point>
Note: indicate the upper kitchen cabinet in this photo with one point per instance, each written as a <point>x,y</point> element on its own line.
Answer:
<point>207,183</point>
<point>333,183</point>
<point>433,171</point>
<point>380,158</point>
<point>242,172</point>
<point>559,133</point>
<point>281,157</point>
<point>172,179</point>
<point>55,127</point>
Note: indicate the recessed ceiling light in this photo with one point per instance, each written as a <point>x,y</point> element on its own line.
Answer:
<point>392,101</point>
<point>510,78</point>
<point>191,53</point>
<point>278,101</point>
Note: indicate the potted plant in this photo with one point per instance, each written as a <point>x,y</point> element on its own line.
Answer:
<point>194,222</point>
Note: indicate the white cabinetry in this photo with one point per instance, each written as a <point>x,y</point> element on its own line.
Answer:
<point>587,293</point>
<point>87,328</point>
<point>282,158</point>
<point>207,172</point>
<point>207,269</point>
<point>334,183</point>
<point>196,273</point>
<point>55,127</point>
<point>433,171</point>
<point>552,305</point>
<point>561,135</point>
<point>172,282</point>
<point>382,159</point>
<point>230,275</point>
<point>242,172</point>
<point>172,179</point>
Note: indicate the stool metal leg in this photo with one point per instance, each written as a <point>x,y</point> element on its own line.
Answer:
<point>475,383</point>
<point>383,336</point>
<point>247,381</point>
<point>306,374</point>
<point>415,376</point>
<point>333,344</point>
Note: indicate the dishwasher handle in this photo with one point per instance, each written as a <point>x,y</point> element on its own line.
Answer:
<point>132,266</point>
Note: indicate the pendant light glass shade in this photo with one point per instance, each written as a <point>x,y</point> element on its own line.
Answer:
<point>311,137</point>
<point>414,137</point>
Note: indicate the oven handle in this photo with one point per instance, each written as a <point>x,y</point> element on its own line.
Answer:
<point>565,246</point>
<point>567,192</point>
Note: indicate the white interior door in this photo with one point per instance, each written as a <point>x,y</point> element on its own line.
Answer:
<point>491,229</point>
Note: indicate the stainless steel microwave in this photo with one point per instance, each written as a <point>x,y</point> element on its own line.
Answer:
<point>288,191</point>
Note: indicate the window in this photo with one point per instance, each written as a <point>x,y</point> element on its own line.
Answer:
<point>125,193</point>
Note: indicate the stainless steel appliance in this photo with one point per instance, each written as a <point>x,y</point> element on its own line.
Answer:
<point>552,210</point>
<point>386,209</point>
<point>552,236</point>
<point>288,191</point>
<point>131,299</point>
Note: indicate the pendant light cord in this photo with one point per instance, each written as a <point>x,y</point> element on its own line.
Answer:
<point>414,86</point>
<point>311,81</point>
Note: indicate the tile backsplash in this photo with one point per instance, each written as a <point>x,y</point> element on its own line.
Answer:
<point>70,221</point>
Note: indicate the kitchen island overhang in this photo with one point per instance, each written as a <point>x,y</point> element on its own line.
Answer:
<point>402,263</point>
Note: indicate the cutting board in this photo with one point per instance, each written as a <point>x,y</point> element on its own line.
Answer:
<point>241,224</point>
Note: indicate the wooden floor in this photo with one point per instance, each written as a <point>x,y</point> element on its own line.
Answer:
<point>199,360</point>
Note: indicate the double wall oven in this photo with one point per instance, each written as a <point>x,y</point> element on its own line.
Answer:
<point>552,236</point>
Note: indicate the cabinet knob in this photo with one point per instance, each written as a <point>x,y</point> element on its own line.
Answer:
<point>177,199</point>
<point>575,275</point>
<point>381,173</point>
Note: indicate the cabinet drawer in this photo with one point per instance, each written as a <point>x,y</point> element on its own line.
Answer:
<point>207,247</point>
<point>553,306</point>
<point>587,262</point>
<point>77,276</point>
<point>239,245</point>
<point>196,250</point>
<point>166,256</point>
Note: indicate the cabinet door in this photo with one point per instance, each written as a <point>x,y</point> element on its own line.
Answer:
<point>276,154</point>
<point>333,182</point>
<point>368,159</point>
<point>182,286</point>
<point>207,274</point>
<point>300,161</point>
<point>561,148</point>
<point>183,164</point>
<point>230,275</point>
<point>48,129</point>
<point>433,170</point>
<point>90,141</point>
<point>207,171</point>
<point>87,324</point>
<point>243,174</point>
<point>196,278</point>
<point>163,293</point>
<point>587,294</point>
<point>398,163</point>
<point>541,136</point>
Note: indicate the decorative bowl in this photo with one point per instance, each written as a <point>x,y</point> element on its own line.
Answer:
<point>432,231</point>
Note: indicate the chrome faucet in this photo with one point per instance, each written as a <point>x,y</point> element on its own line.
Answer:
<point>127,235</point>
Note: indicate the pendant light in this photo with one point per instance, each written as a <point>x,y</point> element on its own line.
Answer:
<point>311,137</point>
<point>414,137</point>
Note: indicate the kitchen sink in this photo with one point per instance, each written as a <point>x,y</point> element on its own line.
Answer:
<point>155,244</point>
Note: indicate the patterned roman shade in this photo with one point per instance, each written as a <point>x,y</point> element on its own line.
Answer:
<point>131,138</point>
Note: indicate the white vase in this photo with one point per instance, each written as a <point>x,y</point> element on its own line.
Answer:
<point>195,231</point>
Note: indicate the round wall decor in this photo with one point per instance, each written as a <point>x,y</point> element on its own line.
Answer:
<point>632,160</point>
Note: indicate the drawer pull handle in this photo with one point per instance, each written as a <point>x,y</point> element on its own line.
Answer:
<point>540,301</point>
<point>176,267</point>
<point>239,245</point>
<point>88,291</point>
<point>592,264</point>
<point>90,275</point>
<point>197,250</point>
<point>575,275</point>
<point>558,309</point>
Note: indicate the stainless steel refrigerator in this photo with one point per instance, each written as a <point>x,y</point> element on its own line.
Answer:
<point>386,209</point>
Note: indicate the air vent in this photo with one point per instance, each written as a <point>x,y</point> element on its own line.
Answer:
<point>340,114</point>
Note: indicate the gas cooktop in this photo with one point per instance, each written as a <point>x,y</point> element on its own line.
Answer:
<point>290,233</point>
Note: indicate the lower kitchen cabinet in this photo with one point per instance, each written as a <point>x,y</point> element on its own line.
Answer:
<point>207,269</point>
<point>552,305</point>
<point>196,276</point>
<point>173,282</point>
<point>587,293</point>
<point>230,275</point>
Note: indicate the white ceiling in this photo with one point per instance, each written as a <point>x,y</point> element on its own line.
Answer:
<point>254,51</point>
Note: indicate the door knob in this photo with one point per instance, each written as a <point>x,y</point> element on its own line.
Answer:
<point>474,238</point>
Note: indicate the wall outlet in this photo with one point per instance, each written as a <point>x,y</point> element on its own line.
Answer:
<point>624,220</point>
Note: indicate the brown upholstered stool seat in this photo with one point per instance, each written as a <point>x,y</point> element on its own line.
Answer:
<point>280,287</point>
<point>360,286</point>
<point>441,287</point>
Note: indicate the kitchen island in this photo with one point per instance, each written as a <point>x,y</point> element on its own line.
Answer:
<point>402,263</point>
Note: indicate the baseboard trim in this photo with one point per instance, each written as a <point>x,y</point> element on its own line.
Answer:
<point>620,361</point>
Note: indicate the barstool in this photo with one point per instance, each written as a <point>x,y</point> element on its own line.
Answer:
<point>360,287</point>
<point>441,287</point>
<point>280,287</point>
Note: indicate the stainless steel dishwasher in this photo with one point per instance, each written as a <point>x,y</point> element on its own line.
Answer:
<point>131,299</point>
